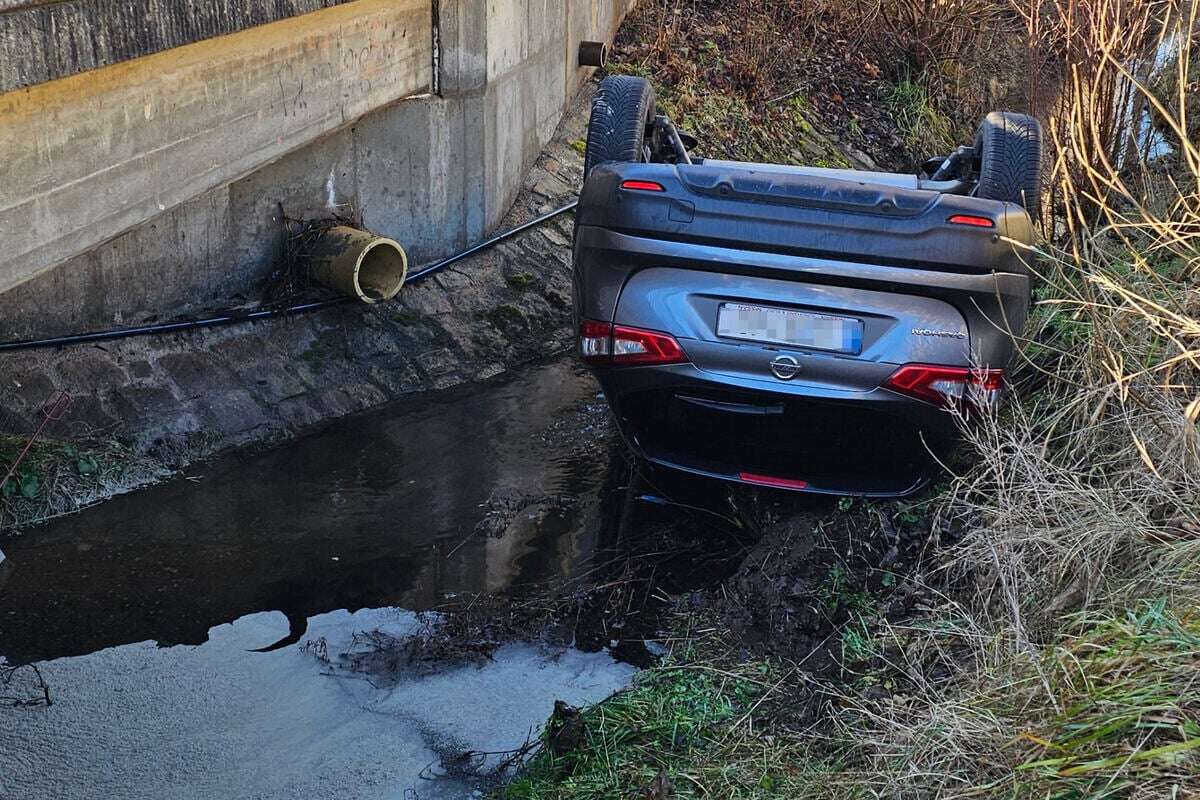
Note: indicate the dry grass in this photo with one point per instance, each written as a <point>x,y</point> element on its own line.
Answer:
<point>964,51</point>
<point>59,477</point>
<point>1074,659</point>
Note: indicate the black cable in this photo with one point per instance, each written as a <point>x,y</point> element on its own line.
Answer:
<point>495,240</point>
<point>233,317</point>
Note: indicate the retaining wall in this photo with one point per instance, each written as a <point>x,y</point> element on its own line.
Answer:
<point>155,184</point>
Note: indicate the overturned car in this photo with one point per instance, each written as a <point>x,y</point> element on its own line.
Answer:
<point>798,327</point>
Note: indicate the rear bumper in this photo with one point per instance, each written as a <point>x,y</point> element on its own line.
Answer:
<point>991,303</point>
<point>874,444</point>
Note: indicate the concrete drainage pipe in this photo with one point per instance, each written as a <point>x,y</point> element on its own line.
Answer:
<point>359,264</point>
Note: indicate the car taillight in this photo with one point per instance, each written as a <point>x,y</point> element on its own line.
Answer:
<point>643,186</point>
<point>972,220</point>
<point>595,341</point>
<point>602,343</point>
<point>948,386</point>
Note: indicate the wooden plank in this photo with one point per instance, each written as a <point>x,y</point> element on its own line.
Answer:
<point>42,41</point>
<point>93,155</point>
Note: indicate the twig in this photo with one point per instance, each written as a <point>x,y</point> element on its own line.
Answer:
<point>6,677</point>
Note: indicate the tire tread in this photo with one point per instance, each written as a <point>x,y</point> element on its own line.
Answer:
<point>623,106</point>
<point>1011,159</point>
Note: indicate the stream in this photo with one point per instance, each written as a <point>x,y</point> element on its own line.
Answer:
<point>181,631</point>
<point>375,510</point>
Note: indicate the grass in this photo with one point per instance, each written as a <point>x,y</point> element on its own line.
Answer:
<point>58,477</point>
<point>1120,680</point>
<point>691,719</point>
<point>925,128</point>
<point>1068,669</point>
<point>1109,708</point>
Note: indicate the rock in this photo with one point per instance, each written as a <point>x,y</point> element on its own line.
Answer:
<point>860,159</point>
<point>550,187</point>
<point>661,788</point>
<point>555,237</point>
<point>565,729</point>
<point>195,373</point>
<point>87,416</point>
<point>88,371</point>
<point>396,374</point>
<point>139,402</point>
<point>232,413</point>
<point>438,362</point>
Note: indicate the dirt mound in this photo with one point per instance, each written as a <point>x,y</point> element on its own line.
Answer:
<point>817,582</point>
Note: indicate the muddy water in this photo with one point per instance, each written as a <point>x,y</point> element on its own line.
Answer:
<point>378,510</point>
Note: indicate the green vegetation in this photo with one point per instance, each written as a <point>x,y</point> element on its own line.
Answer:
<point>324,349</point>
<point>407,318</point>
<point>57,477</point>
<point>1119,680</point>
<point>924,128</point>
<point>521,281</point>
<point>691,719</point>
<point>505,315</point>
<point>836,592</point>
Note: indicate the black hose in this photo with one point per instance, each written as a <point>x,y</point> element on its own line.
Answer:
<point>495,240</point>
<point>233,317</point>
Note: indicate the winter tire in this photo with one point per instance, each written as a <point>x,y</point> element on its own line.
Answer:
<point>1009,148</point>
<point>621,112</point>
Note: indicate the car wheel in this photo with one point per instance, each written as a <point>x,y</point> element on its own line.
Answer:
<point>1009,149</point>
<point>621,111</point>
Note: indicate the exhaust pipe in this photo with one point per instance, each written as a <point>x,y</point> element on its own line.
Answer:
<point>359,264</point>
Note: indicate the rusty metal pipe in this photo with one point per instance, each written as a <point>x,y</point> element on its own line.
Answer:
<point>593,54</point>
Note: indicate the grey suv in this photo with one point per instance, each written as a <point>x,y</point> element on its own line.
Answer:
<point>795,327</point>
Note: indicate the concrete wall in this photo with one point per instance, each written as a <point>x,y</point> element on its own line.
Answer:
<point>95,154</point>
<point>434,171</point>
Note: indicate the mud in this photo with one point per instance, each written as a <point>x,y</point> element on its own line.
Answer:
<point>818,577</point>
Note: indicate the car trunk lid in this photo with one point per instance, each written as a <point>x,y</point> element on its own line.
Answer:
<point>891,329</point>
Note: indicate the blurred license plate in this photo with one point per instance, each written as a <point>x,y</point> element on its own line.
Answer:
<point>783,326</point>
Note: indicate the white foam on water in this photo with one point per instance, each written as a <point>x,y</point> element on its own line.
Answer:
<point>218,721</point>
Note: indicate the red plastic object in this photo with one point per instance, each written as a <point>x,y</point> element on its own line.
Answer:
<point>768,480</point>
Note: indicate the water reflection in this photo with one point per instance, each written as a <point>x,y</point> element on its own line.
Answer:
<point>373,511</point>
